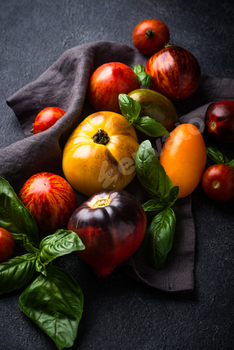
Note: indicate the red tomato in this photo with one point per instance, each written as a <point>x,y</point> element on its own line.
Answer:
<point>150,36</point>
<point>107,82</point>
<point>46,118</point>
<point>220,121</point>
<point>184,157</point>
<point>218,182</point>
<point>50,199</point>
<point>7,245</point>
<point>175,73</point>
<point>112,225</point>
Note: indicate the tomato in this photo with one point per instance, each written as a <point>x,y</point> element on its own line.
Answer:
<point>46,118</point>
<point>7,245</point>
<point>99,154</point>
<point>220,121</point>
<point>218,182</point>
<point>183,157</point>
<point>112,225</point>
<point>107,82</point>
<point>175,73</point>
<point>150,36</point>
<point>50,199</point>
<point>156,106</point>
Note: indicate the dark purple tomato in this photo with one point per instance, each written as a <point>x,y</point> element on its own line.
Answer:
<point>156,106</point>
<point>218,182</point>
<point>111,225</point>
<point>220,121</point>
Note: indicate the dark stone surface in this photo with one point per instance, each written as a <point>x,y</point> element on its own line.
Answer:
<point>118,312</point>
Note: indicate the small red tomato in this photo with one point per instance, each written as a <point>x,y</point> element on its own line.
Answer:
<point>50,199</point>
<point>46,118</point>
<point>218,182</point>
<point>175,73</point>
<point>150,36</point>
<point>7,245</point>
<point>220,121</point>
<point>112,225</point>
<point>107,82</point>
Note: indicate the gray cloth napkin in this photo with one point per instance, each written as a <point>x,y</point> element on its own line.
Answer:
<point>64,85</point>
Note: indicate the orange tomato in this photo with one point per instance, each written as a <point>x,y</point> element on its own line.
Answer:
<point>99,154</point>
<point>183,157</point>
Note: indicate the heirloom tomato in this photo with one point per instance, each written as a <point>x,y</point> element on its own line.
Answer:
<point>220,121</point>
<point>112,225</point>
<point>183,157</point>
<point>50,199</point>
<point>150,36</point>
<point>107,82</point>
<point>46,118</point>
<point>175,73</point>
<point>156,106</point>
<point>7,245</point>
<point>218,182</point>
<point>99,154</point>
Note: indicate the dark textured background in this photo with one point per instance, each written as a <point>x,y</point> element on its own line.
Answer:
<point>120,314</point>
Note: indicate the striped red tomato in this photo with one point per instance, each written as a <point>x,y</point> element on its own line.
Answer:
<point>50,199</point>
<point>175,72</point>
<point>7,245</point>
<point>46,118</point>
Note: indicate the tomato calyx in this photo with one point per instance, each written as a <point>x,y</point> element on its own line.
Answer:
<point>100,202</point>
<point>101,137</point>
<point>150,34</point>
<point>216,184</point>
<point>213,125</point>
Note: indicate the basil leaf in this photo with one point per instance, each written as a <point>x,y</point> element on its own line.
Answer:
<point>60,243</point>
<point>216,156</point>
<point>162,203</point>
<point>150,172</point>
<point>138,68</point>
<point>129,107</point>
<point>55,304</point>
<point>16,272</point>
<point>145,78</point>
<point>150,127</point>
<point>15,217</point>
<point>231,164</point>
<point>153,205</point>
<point>160,237</point>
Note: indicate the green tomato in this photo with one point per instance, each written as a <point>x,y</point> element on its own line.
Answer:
<point>156,106</point>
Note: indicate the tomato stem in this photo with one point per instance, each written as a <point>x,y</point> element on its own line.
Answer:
<point>150,34</point>
<point>212,125</point>
<point>101,137</point>
<point>216,184</point>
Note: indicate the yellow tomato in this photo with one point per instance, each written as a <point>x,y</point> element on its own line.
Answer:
<point>99,154</point>
<point>183,157</point>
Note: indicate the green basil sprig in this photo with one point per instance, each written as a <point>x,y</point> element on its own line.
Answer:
<point>131,109</point>
<point>217,157</point>
<point>144,77</point>
<point>54,300</point>
<point>153,177</point>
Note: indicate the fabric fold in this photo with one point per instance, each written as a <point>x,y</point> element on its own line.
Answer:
<point>64,85</point>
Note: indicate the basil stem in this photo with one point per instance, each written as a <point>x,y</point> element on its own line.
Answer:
<point>160,237</point>
<point>55,303</point>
